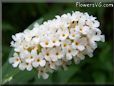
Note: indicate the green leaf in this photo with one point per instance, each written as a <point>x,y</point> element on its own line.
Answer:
<point>99,77</point>
<point>23,77</point>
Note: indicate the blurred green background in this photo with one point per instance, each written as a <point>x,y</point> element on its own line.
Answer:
<point>18,16</point>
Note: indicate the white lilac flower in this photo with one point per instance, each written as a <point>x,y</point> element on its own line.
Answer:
<point>63,34</point>
<point>47,42</point>
<point>57,52</point>
<point>55,43</point>
<point>64,63</point>
<point>65,44</point>
<point>80,56</point>
<point>24,65</point>
<point>88,51</point>
<point>74,34</point>
<point>83,29</point>
<point>70,52</point>
<point>15,60</point>
<point>18,37</point>
<point>47,53</point>
<point>38,60</point>
<point>52,65</point>
<point>79,44</point>
<point>25,54</point>
<point>43,72</point>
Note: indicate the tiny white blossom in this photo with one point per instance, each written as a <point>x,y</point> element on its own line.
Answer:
<point>79,44</point>
<point>65,44</point>
<point>15,60</point>
<point>70,52</point>
<point>42,72</point>
<point>64,35</point>
<point>25,65</point>
<point>47,54</point>
<point>58,53</point>
<point>46,43</point>
<point>38,60</point>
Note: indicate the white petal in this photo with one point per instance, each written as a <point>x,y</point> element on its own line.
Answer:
<point>15,55</point>
<point>45,75</point>
<point>60,56</point>
<point>35,64</point>
<point>74,52</point>
<point>81,56</point>
<point>89,49</point>
<point>90,54</point>
<point>73,46</point>
<point>15,64</point>
<point>83,41</point>
<point>35,40</point>
<point>24,54</point>
<point>13,37</point>
<point>102,38</point>
<point>28,60</point>
<point>93,44</point>
<point>85,30</point>
<point>69,57</point>
<point>47,58</point>
<point>11,60</point>
<point>54,58</point>
<point>34,53</point>
<point>58,62</point>
<point>42,63</point>
<point>96,38</point>
<point>22,66</point>
<point>52,65</point>
<point>96,24</point>
<point>81,47</point>
<point>36,25</point>
<point>77,28</point>
<point>96,31</point>
<point>57,43</point>
<point>29,67</point>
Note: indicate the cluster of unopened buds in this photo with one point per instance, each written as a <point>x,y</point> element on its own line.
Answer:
<point>56,43</point>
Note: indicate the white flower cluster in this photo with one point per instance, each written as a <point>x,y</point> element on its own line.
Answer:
<point>55,43</point>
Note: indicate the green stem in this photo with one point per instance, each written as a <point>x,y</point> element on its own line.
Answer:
<point>8,77</point>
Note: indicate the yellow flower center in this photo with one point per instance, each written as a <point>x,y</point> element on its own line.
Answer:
<point>76,43</point>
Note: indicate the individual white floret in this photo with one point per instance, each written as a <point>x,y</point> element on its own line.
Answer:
<point>47,42</point>
<point>79,44</point>
<point>80,56</point>
<point>55,41</point>
<point>63,34</point>
<point>70,52</point>
<point>46,53</point>
<point>38,60</point>
<point>74,34</point>
<point>42,72</point>
<point>25,65</point>
<point>65,44</point>
<point>15,60</point>
<point>57,53</point>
